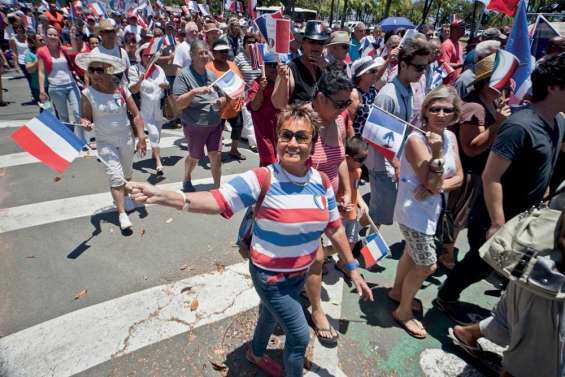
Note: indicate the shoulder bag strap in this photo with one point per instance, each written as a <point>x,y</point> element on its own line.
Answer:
<point>265,185</point>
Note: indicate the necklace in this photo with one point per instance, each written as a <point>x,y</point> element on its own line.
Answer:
<point>301,184</point>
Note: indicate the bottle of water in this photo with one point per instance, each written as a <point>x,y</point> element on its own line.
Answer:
<point>47,105</point>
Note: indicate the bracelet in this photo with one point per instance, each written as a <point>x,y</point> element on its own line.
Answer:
<point>353,265</point>
<point>186,206</point>
<point>437,163</point>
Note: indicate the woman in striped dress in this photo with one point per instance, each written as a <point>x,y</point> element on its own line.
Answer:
<point>298,206</point>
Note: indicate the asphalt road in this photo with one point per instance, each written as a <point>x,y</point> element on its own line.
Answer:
<point>77,297</point>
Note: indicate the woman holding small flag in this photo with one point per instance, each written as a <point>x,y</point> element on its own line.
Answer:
<point>294,205</point>
<point>104,107</point>
<point>429,167</point>
<point>149,80</point>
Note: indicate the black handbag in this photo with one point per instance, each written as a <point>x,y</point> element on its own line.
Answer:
<point>445,230</point>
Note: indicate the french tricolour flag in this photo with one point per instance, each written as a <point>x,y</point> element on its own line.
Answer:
<point>276,32</point>
<point>231,84</point>
<point>367,47</point>
<point>384,132</point>
<point>257,51</point>
<point>229,5</point>
<point>97,9</point>
<point>374,249</point>
<point>505,64</point>
<point>48,140</point>
<point>169,40</point>
<point>519,45</point>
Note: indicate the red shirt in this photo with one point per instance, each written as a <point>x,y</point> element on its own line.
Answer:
<point>451,53</point>
<point>55,20</point>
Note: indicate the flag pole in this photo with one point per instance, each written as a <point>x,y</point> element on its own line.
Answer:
<point>402,120</point>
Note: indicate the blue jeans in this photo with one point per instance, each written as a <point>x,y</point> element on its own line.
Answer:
<point>279,293</point>
<point>65,98</point>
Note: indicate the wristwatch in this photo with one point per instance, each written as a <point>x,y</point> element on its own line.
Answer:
<point>353,265</point>
<point>186,205</point>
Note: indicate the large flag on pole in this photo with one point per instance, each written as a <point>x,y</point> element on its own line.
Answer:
<point>519,45</point>
<point>49,140</point>
<point>542,33</point>
<point>384,132</point>
<point>508,7</point>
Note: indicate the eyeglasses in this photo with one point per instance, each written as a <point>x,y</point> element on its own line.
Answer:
<point>419,67</point>
<point>359,159</point>
<point>339,105</point>
<point>302,137</point>
<point>437,109</point>
<point>99,70</point>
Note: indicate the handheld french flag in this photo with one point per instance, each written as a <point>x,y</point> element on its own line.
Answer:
<point>155,45</point>
<point>231,84</point>
<point>519,45</point>
<point>441,74</point>
<point>169,40</point>
<point>384,132</point>
<point>257,51</point>
<point>192,6</point>
<point>97,9</point>
<point>229,5</point>
<point>505,64</point>
<point>276,32</point>
<point>251,5</point>
<point>374,248</point>
<point>204,9</point>
<point>49,140</point>
<point>367,47</point>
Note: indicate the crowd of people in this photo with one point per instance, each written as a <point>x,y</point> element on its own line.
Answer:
<point>474,156</point>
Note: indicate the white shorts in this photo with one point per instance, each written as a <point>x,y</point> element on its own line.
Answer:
<point>118,161</point>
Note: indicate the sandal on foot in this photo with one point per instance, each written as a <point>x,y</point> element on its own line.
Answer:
<point>266,364</point>
<point>417,305</point>
<point>474,351</point>
<point>328,342</point>
<point>403,325</point>
<point>159,171</point>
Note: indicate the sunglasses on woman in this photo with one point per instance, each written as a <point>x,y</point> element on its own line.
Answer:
<point>359,159</point>
<point>302,137</point>
<point>437,109</point>
<point>340,105</point>
<point>419,67</point>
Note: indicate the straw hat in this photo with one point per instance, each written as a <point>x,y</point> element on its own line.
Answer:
<point>484,67</point>
<point>107,24</point>
<point>84,59</point>
<point>339,37</point>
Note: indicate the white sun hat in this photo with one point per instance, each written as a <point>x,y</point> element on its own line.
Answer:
<point>84,59</point>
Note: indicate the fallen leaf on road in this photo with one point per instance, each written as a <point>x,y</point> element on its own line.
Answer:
<point>169,220</point>
<point>183,267</point>
<point>57,179</point>
<point>220,267</point>
<point>194,305</point>
<point>219,367</point>
<point>186,289</point>
<point>142,232</point>
<point>31,256</point>
<point>81,294</point>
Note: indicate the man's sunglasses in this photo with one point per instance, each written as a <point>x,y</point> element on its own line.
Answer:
<point>302,137</point>
<point>99,70</point>
<point>419,67</point>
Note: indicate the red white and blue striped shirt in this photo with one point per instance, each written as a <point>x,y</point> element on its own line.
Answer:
<point>294,213</point>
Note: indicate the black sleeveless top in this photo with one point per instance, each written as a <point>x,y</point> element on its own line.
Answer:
<point>304,83</point>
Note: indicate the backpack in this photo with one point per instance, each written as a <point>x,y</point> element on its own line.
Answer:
<point>526,251</point>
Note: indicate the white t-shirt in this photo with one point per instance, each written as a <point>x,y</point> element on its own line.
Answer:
<point>182,55</point>
<point>60,73</point>
<point>150,87</point>
<point>22,48</point>
<point>9,33</point>
<point>116,51</point>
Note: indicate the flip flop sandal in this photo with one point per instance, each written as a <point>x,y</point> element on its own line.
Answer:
<point>328,342</point>
<point>267,365</point>
<point>474,351</point>
<point>417,300</point>
<point>405,328</point>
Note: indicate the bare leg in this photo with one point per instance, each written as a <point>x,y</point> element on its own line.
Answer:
<point>118,194</point>
<point>234,145</point>
<point>402,268</point>
<point>157,156</point>
<point>313,289</point>
<point>189,165</point>
<point>468,334</point>
<point>216,166</point>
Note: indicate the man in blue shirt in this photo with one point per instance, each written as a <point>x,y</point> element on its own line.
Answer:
<point>356,36</point>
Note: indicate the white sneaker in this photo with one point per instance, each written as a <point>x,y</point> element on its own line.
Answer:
<point>124,221</point>
<point>129,204</point>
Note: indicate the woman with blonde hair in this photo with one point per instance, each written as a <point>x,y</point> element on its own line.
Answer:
<point>294,205</point>
<point>429,168</point>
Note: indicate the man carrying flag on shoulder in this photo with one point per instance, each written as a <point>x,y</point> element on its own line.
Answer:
<point>395,98</point>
